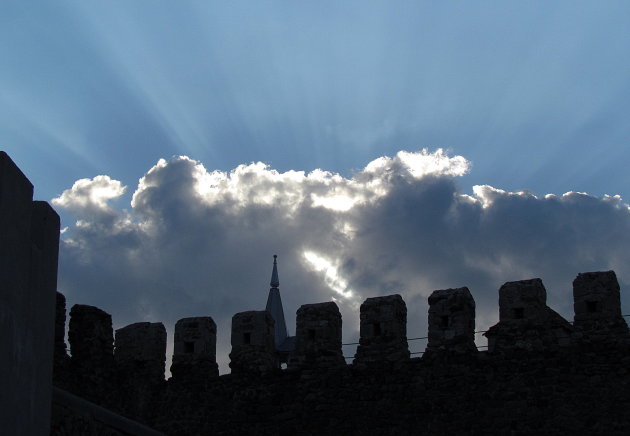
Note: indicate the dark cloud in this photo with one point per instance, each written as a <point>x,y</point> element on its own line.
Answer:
<point>197,242</point>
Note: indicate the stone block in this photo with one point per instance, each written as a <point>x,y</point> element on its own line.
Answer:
<point>141,351</point>
<point>525,320</point>
<point>318,336</point>
<point>522,300</point>
<point>597,303</point>
<point>451,321</point>
<point>383,331</point>
<point>194,355</point>
<point>91,339</point>
<point>253,348</point>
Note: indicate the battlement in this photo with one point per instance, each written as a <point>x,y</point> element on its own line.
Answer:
<point>451,321</point>
<point>128,375</point>
<point>525,323</point>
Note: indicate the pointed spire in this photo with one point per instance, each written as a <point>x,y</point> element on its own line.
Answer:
<point>274,305</point>
<point>274,274</point>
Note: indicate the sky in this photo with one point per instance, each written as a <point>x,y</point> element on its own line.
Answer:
<point>375,147</point>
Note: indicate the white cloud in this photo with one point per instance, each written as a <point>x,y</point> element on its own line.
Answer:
<point>89,195</point>
<point>198,242</point>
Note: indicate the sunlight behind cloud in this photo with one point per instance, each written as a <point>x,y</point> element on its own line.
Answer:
<point>330,271</point>
<point>341,203</point>
<point>421,164</point>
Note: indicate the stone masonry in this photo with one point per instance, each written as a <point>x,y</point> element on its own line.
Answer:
<point>91,340</point>
<point>140,351</point>
<point>140,356</point>
<point>318,331</point>
<point>253,349</point>
<point>597,304</point>
<point>525,320</point>
<point>383,331</point>
<point>194,354</point>
<point>451,321</point>
<point>528,383</point>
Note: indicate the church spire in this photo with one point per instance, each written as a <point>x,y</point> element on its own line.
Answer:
<point>274,305</point>
<point>274,273</point>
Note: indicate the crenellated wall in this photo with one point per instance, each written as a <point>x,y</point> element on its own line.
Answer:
<point>536,360</point>
<point>525,322</point>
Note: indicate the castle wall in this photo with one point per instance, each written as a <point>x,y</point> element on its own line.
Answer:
<point>383,331</point>
<point>141,351</point>
<point>576,391</point>
<point>451,321</point>
<point>547,387</point>
<point>195,348</point>
<point>29,243</point>
<point>318,336</point>
<point>525,320</point>
<point>139,357</point>
<point>253,349</point>
<point>73,415</point>
<point>91,338</point>
<point>597,304</point>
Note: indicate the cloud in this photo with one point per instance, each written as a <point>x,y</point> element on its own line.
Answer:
<point>90,196</point>
<point>199,242</point>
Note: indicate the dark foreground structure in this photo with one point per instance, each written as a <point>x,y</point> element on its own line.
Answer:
<point>540,374</point>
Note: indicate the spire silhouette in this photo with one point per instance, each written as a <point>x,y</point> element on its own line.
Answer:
<point>274,273</point>
<point>274,305</point>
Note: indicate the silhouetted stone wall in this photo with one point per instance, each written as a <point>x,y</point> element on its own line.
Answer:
<point>451,321</point>
<point>253,348</point>
<point>195,350</point>
<point>537,381</point>
<point>597,305</point>
<point>29,245</point>
<point>525,320</point>
<point>580,390</point>
<point>318,336</point>
<point>383,331</point>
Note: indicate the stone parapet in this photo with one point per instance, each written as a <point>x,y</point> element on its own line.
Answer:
<point>451,321</point>
<point>253,349</point>
<point>141,351</point>
<point>525,320</point>
<point>91,340</point>
<point>383,331</point>
<point>195,344</point>
<point>597,305</point>
<point>318,332</point>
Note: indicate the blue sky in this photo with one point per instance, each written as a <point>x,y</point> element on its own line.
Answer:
<point>534,96</point>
